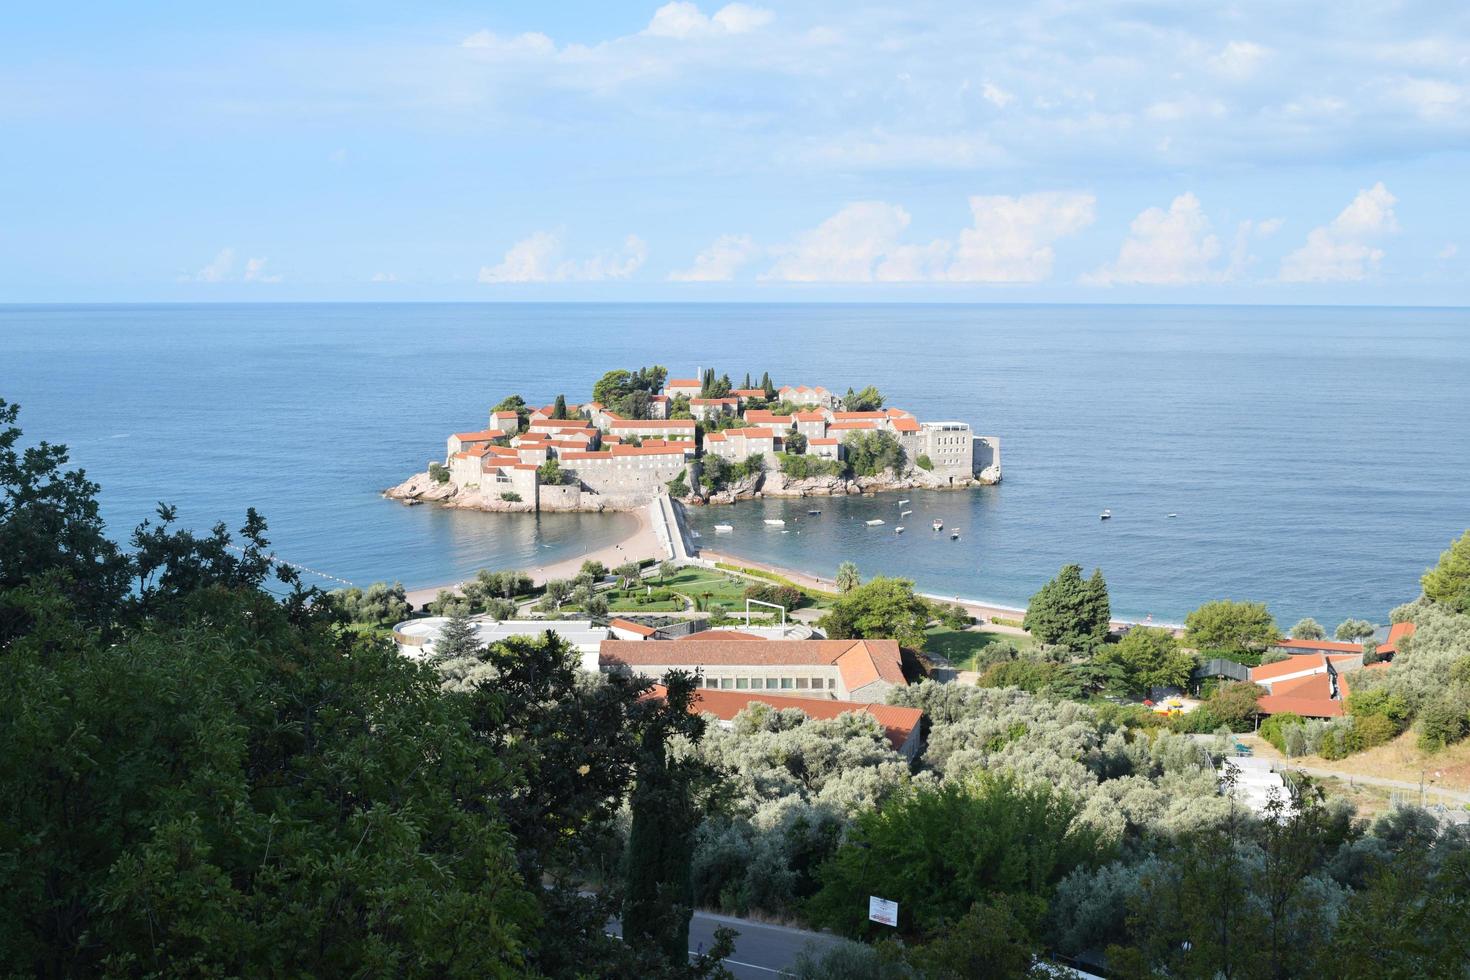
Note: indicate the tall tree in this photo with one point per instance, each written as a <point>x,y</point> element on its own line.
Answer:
<point>457,638</point>
<point>1448,582</point>
<point>1308,629</point>
<point>1150,658</point>
<point>559,409</point>
<point>1353,630</point>
<point>746,383</point>
<point>770,388</point>
<point>881,608</point>
<point>1232,627</point>
<point>1069,612</point>
<point>847,577</point>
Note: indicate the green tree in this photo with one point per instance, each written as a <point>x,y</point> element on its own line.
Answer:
<point>924,462</point>
<point>1233,627</point>
<point>1308,629</point>
<point>938,851</point>
<point>872,453</point>
<point>611,387</point>
<point>594,568</point>
<point>557,591</point>
<point>1352,630</point>
<point>551,474</point>
<point>50,524</point>
<point>1151,658</point>
<point>847,577</point>
<point>766,384</point>
<point>1070,612</point>
<point>457,638</point>
<point>870,399</point>
<point>438,472</point>
<point>517,404</point>
<point>559,409</point>
<point>881,608</point>
<point>1448,582</point>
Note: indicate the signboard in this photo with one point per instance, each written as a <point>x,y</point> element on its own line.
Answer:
<point>882,911</point>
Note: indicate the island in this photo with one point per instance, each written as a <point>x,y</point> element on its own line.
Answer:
<point>701,440</point>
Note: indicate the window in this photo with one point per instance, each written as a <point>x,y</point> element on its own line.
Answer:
<point>772,683</point>
<point>801,683</point>
<point>726,683</point>
<point>816,683</point>
<point>786,684</point>
<point>742,683</point>
<point>831,683</point>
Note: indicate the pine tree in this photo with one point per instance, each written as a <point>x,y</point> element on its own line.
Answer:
<point>559,411</point>
<point>746,383</point>
<point>457,638</point>
<point>1099,611</point>
<point>1069,612</point>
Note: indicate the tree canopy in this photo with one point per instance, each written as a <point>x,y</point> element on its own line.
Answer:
<point>1308,629</point>
<point>1225,625</point>
<point>1150,658</point>
<point>1070,612</point>
<point>1448,582</point>
<point>881,608</point>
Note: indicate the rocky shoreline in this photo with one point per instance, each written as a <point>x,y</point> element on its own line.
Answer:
<point>421,488</point>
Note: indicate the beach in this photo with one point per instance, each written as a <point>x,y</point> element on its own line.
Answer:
<point>641,544</point>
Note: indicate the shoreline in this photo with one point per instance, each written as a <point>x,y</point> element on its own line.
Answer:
<point>979,608</point>
<point>642,542</point>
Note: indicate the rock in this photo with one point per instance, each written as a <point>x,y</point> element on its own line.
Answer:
<point>421,487</point>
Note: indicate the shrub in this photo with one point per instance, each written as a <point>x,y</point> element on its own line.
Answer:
<point>804,467</point>
<point>924,462</point>
<point>1370,731</point>
<point>1271,729</point>
<point>785,596</point>
<point>678,486</point>
<point>1381,703</point>
<point>438,472</point>
<point>511,496</point>
<point>1443,721</point>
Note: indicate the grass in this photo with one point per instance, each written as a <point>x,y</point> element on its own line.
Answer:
<point>961,647</point>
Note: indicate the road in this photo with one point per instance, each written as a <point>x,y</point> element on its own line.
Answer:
<point>762,952</point>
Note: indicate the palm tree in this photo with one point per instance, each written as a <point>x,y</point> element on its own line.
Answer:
<point>847,577</point>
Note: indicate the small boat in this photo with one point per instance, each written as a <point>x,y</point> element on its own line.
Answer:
<point>1173,515</point>
<point>898,530</point>
<point>724,528</point>
<point>954,535</point>
<point>875,522</point>
<point>775,522</point>
<point>902,502</point>
<point>938,525</point>
<point>904,513</point>
<point>814,513</point>
<point>1106,515</point>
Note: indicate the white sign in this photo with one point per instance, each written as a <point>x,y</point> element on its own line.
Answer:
<point>882,911</point>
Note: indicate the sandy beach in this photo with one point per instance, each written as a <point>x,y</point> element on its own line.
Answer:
<point>642,543</point>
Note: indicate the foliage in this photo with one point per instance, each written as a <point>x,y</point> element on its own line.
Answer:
<point>446,603</point>
<point>438,472</point>
<point>881,608</point>
<point>517,404</point>
<point>1231,626</point>
<point>457,638</point>
<point>559,408</point>
<point>1448,583</point>
<point>939,850</point>
<point>786,596</point>
<point>1232,704</point>
<point>1070,612</point>
<point>1443,721</point>
<point>510,496</point>
<point>924,462</point>
<point>870,399</point>
<point>679,486</point>
<point>551,474</point>
<point>804,467</point>
<point>1308,629</point>
<point>873,453</point>
<point>1353,629</point>
<point>627,392</point>
<point>1273,729</point>
<point>795,442</point>
<point>381,604</point>
<point>1150,658</point>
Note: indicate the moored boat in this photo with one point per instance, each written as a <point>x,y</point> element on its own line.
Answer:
<point>937,525</point>
<point>724,528</point>
<point>875,522</point>
<point>775,522</point>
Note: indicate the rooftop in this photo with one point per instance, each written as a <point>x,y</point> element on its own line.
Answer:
<point>860,662</point>
<point>898,722</point>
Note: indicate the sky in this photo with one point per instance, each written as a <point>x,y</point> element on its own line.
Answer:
<point>1087,151</point>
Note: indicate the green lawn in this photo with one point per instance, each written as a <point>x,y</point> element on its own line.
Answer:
<point>960,647</point>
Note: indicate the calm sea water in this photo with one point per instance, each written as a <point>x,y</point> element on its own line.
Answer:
<point>1318,458</point>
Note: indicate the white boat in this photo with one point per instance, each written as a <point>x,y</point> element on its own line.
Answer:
<point>775,522</point>
<point>1173,515</point>
<point>904,513</point>
<point>875,522</point>
<point>954,535</point>
<point>938,525</point>
<point>902,502</point>
<point>814,513</point>
<point>898,530</point>
<point>724,528</point>
<point>1106,515</point>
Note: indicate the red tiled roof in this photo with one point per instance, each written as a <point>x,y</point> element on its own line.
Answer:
<point>1396,633</point>
<point>895,413</point>
<point>854,424</point>
<point>904,424</point>
<point>1296,664</point>
<point>632,627</point>
<point>1317,646</point>
<point>714,401</point>
<point>749,392</point>
<point>1274,704</point>
<point>764,417</point>
<point>851,416</point>
<point>654,398</point>
<point>751,432</point>
<point>707,635</point>
<point>898,722</point>
<point>810,417</point>
<point>823,442</point>
<point>860,661</point>
<point>485,435</point>
<point>682,425</point>
<point>683,383</point>
<point>504,415</point>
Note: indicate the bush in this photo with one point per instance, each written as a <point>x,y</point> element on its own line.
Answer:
<point>1371,731</point>
<point>870,453</point>
<point>511,496</point>
<point>924,462</point>
<point>799,467</point>
<point>678,486</point>
<point>1271,729</point>
<point>785,596</point>
<point>1003,621</point>
<point>1443,721</point>
<point>438,472</point>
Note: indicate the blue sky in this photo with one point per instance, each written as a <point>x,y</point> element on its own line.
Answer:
<point>1086,151</point>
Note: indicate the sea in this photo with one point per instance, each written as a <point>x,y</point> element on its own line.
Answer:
<point>1313,458</point>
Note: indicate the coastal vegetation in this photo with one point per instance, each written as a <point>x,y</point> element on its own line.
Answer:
<point>380,604</point>
<point>873,453</point>
<point>798,466</point>
<point>1069,612</point>
<point>628,392</point>
<point>1231,627</point>
<point>438,472</point>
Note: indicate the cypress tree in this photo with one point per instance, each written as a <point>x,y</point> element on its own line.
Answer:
<point>766,384</point>
<point>559,411</point>
<point>746,384</point>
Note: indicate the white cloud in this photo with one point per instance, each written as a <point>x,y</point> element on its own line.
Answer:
<point>683,20</point>
<point>720,261</point>
<point>845,247</point>
<point>1432,99</point>
<point>1269,227</point>
<point>537,258</point>
<point>218,270</point>
<point>529,43</point>
<point>996,95</point>
<point>1175,246</point>
<point>384,277</point>
<point>1238,60</point>
<point>1344,250</point>
<point>1449,251</point>
<point>255,272</point>
<point>1011,238</point>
